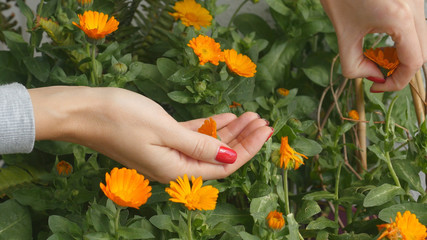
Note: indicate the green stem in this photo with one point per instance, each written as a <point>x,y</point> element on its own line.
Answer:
<point>336,194</point>
<point>235,12</point>
<point>190,233</point>
<point>93,73</point>
<point>117,222</point>
<point>286,190</point>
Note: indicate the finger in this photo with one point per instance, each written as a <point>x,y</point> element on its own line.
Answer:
<point>234,128</point>
<point>221,120</point>
<point>200,147</point>
<point>421,26</point>
<point>410,57</point>
<point>252,126</point>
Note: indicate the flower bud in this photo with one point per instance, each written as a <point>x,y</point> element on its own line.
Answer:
<point>63,18</point>
<point>294,123</point>
<point>275,157</point>
<point>120,68</point>
<point>200,86</point>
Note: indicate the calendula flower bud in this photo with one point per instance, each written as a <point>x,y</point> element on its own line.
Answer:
<point>283,92</point>
<point>200,86</point>
<point>120,68</point>
<point>294,123</point>
<point>63,18</point>
<point>275,157</point>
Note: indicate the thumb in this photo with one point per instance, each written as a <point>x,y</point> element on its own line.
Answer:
<point>201,147</point>
<point>353,62</point>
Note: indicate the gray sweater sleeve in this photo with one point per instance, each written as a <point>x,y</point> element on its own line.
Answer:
<point>17,127</point>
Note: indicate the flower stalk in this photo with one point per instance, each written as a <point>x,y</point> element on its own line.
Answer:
<point>117,222</point>
<point>190,232</point>
<point>286,190</point>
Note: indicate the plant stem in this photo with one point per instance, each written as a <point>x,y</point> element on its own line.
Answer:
<point>116,222</point>
<point>286,190</point>
<point>190,233</point>
<point>337,184</point>
<point>93,74</point>
<point>235,12</point>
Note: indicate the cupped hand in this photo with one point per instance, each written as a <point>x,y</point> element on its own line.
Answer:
<point>403,20</point>
<point>138,133</point>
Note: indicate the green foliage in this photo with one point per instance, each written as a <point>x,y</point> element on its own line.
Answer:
<point>329,197</point>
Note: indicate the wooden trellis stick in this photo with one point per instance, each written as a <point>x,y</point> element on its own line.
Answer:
<point>418,94</point>
<point>361,125</point>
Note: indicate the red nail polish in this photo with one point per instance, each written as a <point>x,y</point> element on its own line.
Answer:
<point>271,134</point>
<point>266,122</point>
<point>226,155</point>
<point>376,80</point>
<point>373,91</point>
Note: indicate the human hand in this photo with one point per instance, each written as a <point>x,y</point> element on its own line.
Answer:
<point>138,133</point>
<point>403,20</point>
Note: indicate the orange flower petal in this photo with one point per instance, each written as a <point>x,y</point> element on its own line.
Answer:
<point>240,64</point>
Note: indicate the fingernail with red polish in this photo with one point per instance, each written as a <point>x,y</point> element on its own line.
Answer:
<point>376,80</point>
<point>267,122</point>
<point>373,91</point>
<point>271,134</point>
<point>226,155</point>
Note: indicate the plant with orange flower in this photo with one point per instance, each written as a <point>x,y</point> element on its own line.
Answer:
<point>386,58</point>
<point>96,25</point>
<point>406,227</point>
<point>208,128</point>
<point>206,49</point>
<point>239,64</point>
<point>275,220</point>
<point>63,168</point>
<point>289,158</point>
<point>353,114</point>
<point>192,14</point>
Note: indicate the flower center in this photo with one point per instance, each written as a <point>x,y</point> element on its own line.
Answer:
<point>191,17</point>
<point>192,199</point>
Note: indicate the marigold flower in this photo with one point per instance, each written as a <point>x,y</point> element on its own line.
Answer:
<point>63,168</point>
<point>353,114</point>
<point>385,57</point>
<point>206,49</point>
<point>208,128</point>
<point>275,220</point>
<point>192,14</point>
<point>126,187</point>
<point>195,196</point>
<point>406,227</point>
<point>288,156</point>
<point>240,64</point>
<point>95,24</point>
<point>283,91</point>
<point>235,105</point>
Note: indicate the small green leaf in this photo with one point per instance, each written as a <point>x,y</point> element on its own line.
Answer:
<point>321,223</point>
<point>259,189</point>
<point>166,67</point>
<point>134,233</point>
<point>317,74</point>
<point>229,214</point>
<point>320,195</point>
<point>306,146</point>
<point>247,236</point>
<point>408,172</point>
<point>419,209</point>
<point>59,224</point>
<point>279,7</point>
<point>18,47</point>
<point>184,75</point>
<point>378,152</point>
<point>162,222</point>
<point>307,210</point>
<point>181,97</point>
<point>260,207</point>
<point>292,226</point>
<point>97,236</point>
<point>382,194</point>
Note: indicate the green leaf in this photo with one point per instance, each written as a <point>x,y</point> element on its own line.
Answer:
<point>260,207</point>
<point>382,194</point>
<point>13,176</point>
<point>306,146</point>
<point>292,226</point>
<point>184,75</point>
<point>18,47</point>
<point>259,189</point>
<point>162,222</point>
<point>38,66</point>
<point>26,11</point>
<point>248,23</point>
<point>307,210</point>
<point>59,224</point>
<point>320,195</point>
<point>248,236</point>
<point>97,236</point>
<point>57,147</point>
<point>352,236</point>
<point>166,67</point>
<point>321,223</point>
<point>9,68</point>
<point>419,209</point>
<point>408,172</point>
<point>279,7</point>
<point>134,233</point>
<point>378,151</point>
<point>317,74</point>
<point>228,213</point>
<point>181,97</point>
<point>15,221</point>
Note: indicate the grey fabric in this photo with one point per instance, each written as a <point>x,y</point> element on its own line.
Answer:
<point>17,127</point>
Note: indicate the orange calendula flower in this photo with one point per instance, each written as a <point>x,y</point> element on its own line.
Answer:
<point>95,24</point>
<point>283,91</point>
<point>206,49</point>
<point>275,220</point>
<point>126,187</point>
<point>240,64</point>
<point>63,168</point>
<point>385,57</point>
<point>195,196</point>
<point>208,128</point>
<point>406,227</point>
<point>235,105</point>
<point>288,156</point>
<point>192,14</point>
<point>353,114</point>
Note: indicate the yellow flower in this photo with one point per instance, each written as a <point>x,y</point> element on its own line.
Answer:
<point>95,24</point>
<point>63,168</point>
<point>192,14</point>
<point>385,57</point>
<point>283,91</point>
<point>194,197</point>
<point>275,220</point>
<point>240,64</point>
<point>208,128</point>
<point>287,154</point>
<point>206,49</point>
<point>406,227</point>
<point>353,114</point>
<point>235,105</point>
<point>126,187</point>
